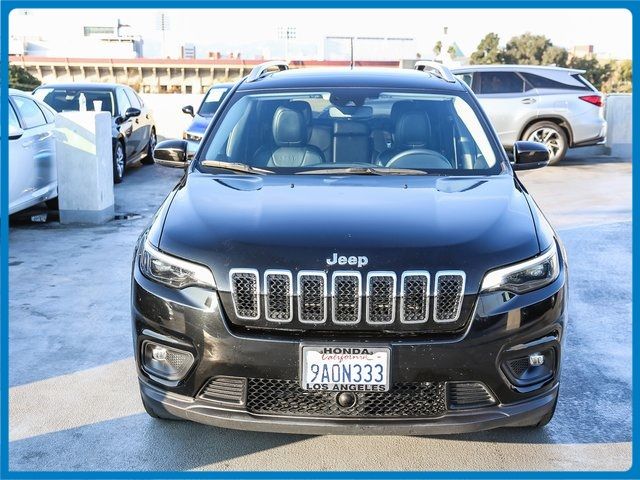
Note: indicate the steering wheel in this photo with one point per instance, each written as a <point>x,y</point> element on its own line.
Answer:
<point>419,158</point>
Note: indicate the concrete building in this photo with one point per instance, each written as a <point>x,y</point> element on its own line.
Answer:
<point>157,75</point>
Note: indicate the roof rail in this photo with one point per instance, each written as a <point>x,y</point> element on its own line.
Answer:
<point>261,70</point>
<point>436,69</point>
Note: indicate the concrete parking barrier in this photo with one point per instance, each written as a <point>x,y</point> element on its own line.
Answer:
<point>619,124</point>
<point>85,167</point>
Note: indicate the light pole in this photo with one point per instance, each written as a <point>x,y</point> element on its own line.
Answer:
<point>286,34</point>
<point>351,40</point>
<point>162,24</point>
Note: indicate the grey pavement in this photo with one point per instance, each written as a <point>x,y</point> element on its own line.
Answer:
<point>74,402</point>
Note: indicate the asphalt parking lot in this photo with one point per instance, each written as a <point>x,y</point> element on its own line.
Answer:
<point>74,402</point>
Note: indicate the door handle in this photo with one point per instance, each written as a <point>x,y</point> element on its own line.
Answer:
<point>528,100</point>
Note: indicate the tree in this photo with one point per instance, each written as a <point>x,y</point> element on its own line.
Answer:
<point>620,79</point>
<point>437,48</point>
<point>452,52</point>
<point>20,79</point>
<point>555,56</point>
<point>527,49</point>
<point>488,50</point>
<point>595,72</point>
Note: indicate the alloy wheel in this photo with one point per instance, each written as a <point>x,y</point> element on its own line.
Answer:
<point>549,137</point>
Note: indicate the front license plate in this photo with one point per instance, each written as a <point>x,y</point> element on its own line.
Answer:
<point>358,369</point>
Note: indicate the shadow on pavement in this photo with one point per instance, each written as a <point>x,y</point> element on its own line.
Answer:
<point>139,442</point>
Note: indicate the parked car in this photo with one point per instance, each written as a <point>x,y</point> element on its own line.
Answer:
<point>133,127</point>
<point>399,280</point>
<point>551,105</point>
<point>33,177</point>
<point>202,117</point>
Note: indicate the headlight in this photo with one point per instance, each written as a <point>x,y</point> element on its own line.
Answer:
<point>525,276</point>
<point>194,137</point>
<point>171,271</point>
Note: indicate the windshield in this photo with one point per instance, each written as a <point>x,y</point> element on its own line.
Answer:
<point>74,100</point>
<point>358,131</point>
<point>212,101</point>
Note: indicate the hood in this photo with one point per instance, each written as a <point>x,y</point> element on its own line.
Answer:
<point>199,124</point>
<point>399,223</point>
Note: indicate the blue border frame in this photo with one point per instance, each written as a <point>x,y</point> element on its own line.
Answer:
<point>5,8</point>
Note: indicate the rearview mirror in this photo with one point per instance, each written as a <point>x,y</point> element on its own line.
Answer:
<point>171,153</point>
<point>15,132</point>
<point>188,110</point>
<point>529,155</point>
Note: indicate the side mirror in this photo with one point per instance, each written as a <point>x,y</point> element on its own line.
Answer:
<point>188,110</point>
<point>171,153</point>
<point>15,132</point>
<point>529,155</point>
<point>132,112</point>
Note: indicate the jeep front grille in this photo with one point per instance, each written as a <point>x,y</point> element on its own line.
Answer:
<point>344,299</point>
<point>381,297</point>
<point>278,295</point>
<point>245,289</point>
<point>346,293</point>
<point>414,297</point>
<point>448,296</point>
<point>312,297</point>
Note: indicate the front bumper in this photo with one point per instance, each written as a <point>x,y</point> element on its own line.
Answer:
<point>463,421</point>
<point>502,327</point>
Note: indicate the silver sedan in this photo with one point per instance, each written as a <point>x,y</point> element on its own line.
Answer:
<point>32,160</point>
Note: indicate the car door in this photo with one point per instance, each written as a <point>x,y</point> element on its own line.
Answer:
<point>508,100</point>
<point>32,167</point>
<point>129,128</point>
<point>142,123</point>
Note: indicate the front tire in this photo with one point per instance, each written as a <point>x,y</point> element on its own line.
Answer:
<point>119,162</point>
<point>552,136</point>
<point>153,140</point>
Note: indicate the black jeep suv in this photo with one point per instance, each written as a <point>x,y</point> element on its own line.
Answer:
<point>350,251</point>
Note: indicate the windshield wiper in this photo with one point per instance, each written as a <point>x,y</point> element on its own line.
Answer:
<point>235,167</point>
<point>364,171</point>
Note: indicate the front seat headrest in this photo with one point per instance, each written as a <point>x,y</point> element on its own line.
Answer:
<point>289,128</point>
<point>413,130</point>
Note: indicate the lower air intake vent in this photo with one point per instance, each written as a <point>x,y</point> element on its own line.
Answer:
<point>245,290</point>
<point>469,395</point>
<point>285,397</point>
<point>448,295</point>
<point>225,389</point>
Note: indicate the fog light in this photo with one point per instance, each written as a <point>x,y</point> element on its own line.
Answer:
<point>535,360</point>
<point>165,362</point>
<point>160,353</point>
<point>531,368</point>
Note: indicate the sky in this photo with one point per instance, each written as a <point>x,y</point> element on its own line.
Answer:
<point>226,28</point>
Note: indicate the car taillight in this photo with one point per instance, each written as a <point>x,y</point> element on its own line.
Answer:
<point>592,99</point>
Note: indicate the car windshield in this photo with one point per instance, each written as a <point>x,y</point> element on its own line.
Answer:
<point>212,101</point>
<point>352,131</point>
<point>73,99</point>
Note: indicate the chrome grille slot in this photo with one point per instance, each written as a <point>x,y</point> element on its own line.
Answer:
<point>278,295</point>
<point>346,293</point>
<point>312,297</point>
<point>381,297</point>
<point>448,295</point>
<point>244,291</point>
<point>414,297</point>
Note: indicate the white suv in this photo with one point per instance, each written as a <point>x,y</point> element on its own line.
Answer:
<point>552,105</point>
